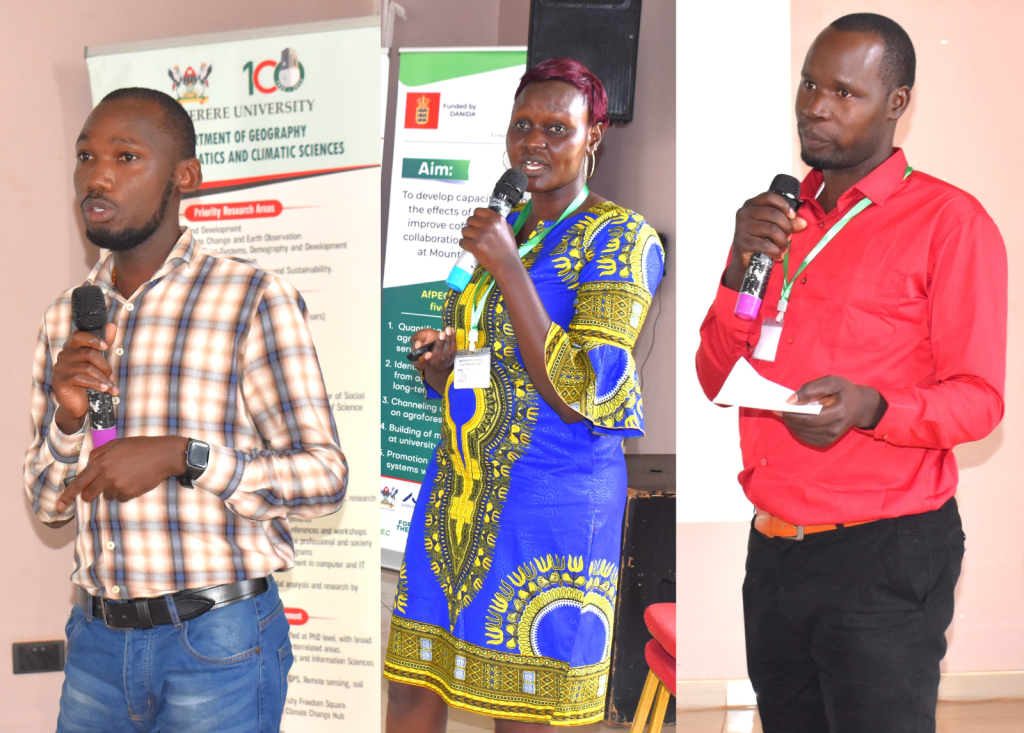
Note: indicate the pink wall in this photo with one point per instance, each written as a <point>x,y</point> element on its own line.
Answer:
<point>47,99</point>
<point>963,126</point>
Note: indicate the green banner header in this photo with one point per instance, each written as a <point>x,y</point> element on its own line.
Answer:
<point>417,68</point>
<point>448,170</point>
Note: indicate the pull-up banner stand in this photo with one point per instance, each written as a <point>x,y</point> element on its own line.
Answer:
<point>452,111</point>
<point>289,141</point>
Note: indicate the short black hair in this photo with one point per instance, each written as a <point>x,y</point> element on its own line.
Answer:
<point>178,122</point>
<point>899,63</point>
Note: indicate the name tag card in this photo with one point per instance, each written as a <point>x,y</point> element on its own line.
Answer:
<point>768,344</point>
<point>472,369</point>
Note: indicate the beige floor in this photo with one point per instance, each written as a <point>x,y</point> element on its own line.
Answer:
<point>997,716</point>
<point>459,721</point>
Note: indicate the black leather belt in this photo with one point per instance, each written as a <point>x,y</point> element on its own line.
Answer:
<point>145,613</point>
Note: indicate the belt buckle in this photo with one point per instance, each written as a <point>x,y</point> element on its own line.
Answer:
<point>141,606</point>
<point>799,535</point>
<point>103,608</point>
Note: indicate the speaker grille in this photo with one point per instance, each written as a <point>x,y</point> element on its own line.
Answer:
<point>601,35</point>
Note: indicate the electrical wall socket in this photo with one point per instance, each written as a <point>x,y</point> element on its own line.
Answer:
<point>38,656</point>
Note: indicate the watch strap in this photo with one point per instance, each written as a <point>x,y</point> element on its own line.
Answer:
<point>191,472</point>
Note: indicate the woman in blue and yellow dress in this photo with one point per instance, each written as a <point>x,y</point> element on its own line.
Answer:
<point>507,593</point>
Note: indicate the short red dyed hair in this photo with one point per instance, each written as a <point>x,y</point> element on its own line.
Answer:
<point>575,73</point>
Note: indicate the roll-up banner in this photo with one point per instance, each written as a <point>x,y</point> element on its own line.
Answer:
<point>453,108</point>
<point>288,137</point>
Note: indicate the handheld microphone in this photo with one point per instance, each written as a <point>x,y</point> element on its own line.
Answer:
<point>755,281</point>
<point>89,313</point>
<point>508,191</point>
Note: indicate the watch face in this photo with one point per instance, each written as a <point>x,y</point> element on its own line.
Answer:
<point>198,454</point>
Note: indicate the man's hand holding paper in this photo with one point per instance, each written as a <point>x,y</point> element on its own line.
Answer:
<point>818,414</point>
<point>844,406</point>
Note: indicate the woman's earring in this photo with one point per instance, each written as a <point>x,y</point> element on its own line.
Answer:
<point>592,157</point>
<point>504,157</point>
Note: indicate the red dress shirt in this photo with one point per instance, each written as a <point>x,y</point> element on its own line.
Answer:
<point>909,298</point>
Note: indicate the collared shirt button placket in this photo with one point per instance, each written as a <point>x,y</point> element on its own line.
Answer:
<point>321,463</point>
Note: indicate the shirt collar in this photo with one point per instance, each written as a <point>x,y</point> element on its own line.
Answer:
<point>185,251</point>
<point>878,185</point>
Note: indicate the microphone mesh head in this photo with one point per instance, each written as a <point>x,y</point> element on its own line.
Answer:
<point>88,308</point>
<point>786,186</point>
<point>511,185</point>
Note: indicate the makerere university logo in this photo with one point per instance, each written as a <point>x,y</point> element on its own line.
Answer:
<point>191,86</point>
<point>388,496</point>
<point>422,110</point>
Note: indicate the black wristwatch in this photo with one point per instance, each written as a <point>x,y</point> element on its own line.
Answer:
<point>197,458</point>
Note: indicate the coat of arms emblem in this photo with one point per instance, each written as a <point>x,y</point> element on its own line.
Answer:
<point>389,494</point>
<point>191,86</point>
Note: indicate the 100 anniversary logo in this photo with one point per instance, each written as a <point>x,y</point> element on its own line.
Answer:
<point>289,73</point>
<point>193,86</point>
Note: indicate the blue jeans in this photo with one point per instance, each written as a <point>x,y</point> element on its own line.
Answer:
<point>223,672</point>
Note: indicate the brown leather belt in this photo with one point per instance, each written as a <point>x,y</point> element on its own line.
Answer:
<point>771,526</point>
<point>145,613</point>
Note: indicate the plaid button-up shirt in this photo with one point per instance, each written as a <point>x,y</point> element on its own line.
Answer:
<point>213,349</point>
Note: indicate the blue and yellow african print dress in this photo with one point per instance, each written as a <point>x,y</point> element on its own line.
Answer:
<point>506,595</point>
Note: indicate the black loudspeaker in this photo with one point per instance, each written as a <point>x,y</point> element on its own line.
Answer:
<point>647,575</point>
<point>603,35</point>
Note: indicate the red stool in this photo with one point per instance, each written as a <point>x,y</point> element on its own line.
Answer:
<point>660,654</point>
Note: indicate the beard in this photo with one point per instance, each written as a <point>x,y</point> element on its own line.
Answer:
<point>122,240</point>
<point>836,159</point>
<point>822,162</point>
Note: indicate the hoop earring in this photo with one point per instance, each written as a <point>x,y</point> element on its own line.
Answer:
<point>592,157</point>
<point>504,156</point>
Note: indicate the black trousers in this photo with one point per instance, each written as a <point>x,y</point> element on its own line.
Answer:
<point>845,629</point>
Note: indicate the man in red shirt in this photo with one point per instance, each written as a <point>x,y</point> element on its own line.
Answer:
<point>898,328</point>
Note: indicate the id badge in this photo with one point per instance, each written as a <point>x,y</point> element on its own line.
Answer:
<point>472,369</point>
<point>771,332</point>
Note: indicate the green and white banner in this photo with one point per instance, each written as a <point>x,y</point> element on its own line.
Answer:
<point>453,108</point>
<point>289,140</point>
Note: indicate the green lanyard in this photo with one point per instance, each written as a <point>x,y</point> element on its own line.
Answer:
<point>787,281</point>
<point>524,249</point>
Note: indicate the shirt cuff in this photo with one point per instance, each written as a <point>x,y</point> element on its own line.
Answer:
<point>65,448</point>
<point>223,473</point>
<point>901,413</point>
<point>724,311</point>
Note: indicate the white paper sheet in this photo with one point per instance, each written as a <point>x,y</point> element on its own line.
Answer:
<point>744,387</point>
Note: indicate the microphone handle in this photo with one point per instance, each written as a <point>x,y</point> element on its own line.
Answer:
<point>102,420</point>
<point>755,283</point>
<point>466,264</point>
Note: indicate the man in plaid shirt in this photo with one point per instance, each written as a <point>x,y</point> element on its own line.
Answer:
<point>225,431</point>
